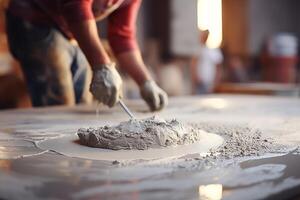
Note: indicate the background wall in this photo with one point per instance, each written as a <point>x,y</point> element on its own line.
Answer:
<point>184,30</point>
<point>247,23</point>
<point>267,17</point>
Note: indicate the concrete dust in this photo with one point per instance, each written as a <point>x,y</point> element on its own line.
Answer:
<point>240,140</point>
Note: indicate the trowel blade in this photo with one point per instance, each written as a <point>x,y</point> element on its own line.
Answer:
<point>126,109</point>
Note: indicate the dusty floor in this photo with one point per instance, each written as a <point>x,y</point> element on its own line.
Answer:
<point>27,172</point>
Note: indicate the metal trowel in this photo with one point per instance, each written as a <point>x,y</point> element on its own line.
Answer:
<point>126,109</point>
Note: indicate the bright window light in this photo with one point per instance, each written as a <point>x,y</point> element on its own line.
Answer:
<point>210,18</point>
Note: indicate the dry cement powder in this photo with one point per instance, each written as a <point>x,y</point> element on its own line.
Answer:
<point>140,134</point>
<point>240,140</point>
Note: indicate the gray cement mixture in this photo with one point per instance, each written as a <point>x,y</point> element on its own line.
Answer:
<point>240,140</point>
<point>140,134</point>
<point>209,141</point>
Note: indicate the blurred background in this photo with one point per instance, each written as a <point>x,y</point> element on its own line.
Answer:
<point>199,47</point>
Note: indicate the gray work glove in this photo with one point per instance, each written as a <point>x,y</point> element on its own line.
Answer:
<point>106,85</point>
<point>154,96</point>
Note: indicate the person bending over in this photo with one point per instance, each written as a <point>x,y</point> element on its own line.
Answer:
<point>40,35</point>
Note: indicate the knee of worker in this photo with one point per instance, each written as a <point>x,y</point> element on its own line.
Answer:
<point>43,92</point>
<point>45,88</point>
<point>53,73</point>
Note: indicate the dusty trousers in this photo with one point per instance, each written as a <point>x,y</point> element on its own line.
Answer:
<point>56,71</point>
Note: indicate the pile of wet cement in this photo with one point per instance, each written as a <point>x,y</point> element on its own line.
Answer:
<point>140,134</point>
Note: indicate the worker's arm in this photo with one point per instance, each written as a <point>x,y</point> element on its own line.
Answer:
<point>86,34</point>
<point>122,37</point>
<point>133,64</point>
<point>106,82</point>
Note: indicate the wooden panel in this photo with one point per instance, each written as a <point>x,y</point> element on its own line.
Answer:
<point>235,27</point>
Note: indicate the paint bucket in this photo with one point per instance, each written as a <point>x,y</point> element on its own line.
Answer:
<point>281,58</point>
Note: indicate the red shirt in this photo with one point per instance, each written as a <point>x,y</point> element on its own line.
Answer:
<point>121,16</point>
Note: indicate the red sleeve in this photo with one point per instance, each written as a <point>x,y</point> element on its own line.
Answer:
<point>77,10</point>
<point>122,27</point>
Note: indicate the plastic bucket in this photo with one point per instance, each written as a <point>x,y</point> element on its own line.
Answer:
<point>282,59</point>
